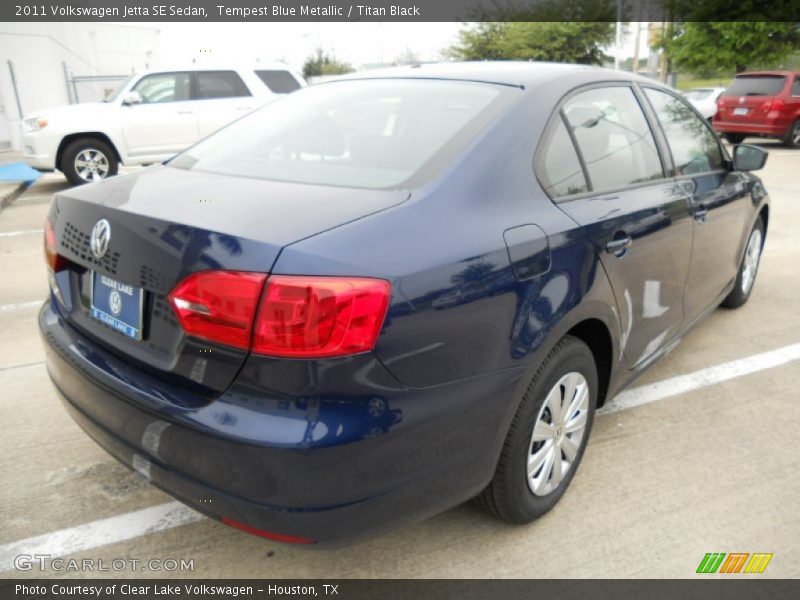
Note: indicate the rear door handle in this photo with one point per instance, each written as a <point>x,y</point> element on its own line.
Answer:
<point>700,213</point>
<point>619,246</point>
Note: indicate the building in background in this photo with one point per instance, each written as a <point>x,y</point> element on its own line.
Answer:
<point>50,64</point>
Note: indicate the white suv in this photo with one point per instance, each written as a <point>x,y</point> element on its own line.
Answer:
<point>149,118</point>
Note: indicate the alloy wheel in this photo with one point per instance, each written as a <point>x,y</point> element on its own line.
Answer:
<point>557,433</point>
<point>751,257</point>
<point>91,165</point>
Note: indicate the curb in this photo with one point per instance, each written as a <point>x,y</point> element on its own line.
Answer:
<point>9,196</point>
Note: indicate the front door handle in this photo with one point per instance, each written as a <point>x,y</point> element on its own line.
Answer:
<point>619,246</point>
<point>700,213</point>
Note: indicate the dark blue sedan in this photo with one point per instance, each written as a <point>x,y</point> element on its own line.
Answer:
<point>382,296</point>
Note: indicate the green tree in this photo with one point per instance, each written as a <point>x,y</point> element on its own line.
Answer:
<point>322,63</point>
<point>571,42</point>
<point>706,48</point>
<point>479,42</point>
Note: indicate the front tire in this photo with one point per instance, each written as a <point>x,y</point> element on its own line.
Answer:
<point>792,137</point>
<point>547,437</point>
<point>748,269</point>
<point>87,160</point>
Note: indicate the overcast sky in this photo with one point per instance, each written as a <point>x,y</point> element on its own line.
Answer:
<point>356,43</point>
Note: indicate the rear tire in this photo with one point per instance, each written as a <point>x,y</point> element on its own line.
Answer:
<point>734,138</point>
<point>792,137</point>
<point>748,269</point>
<point>87,160</point>
<point>525,486</point>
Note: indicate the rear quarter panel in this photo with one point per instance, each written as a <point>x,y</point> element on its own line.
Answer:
<point>457,310</point>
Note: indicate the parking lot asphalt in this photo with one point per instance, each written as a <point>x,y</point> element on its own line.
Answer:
<point>702,456</point>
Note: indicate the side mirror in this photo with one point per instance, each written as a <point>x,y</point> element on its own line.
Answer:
<point>131,98</point>
<point>749,158</point>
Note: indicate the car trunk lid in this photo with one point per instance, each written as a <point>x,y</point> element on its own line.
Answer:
<point>166,223</point>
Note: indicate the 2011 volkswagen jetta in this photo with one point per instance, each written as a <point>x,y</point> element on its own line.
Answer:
<point>386,295</point>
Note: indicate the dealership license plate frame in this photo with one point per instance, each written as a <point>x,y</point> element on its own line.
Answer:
<point>129,330</point>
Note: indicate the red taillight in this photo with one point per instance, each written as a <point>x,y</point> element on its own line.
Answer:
<point>298,316</point>
<point>55,261</point>
<point>318,317</point>
<point>278,537</point>
<point>774,106</point>
<point>218,306</point>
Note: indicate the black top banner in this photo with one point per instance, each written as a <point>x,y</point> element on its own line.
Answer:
<point>398,10</point>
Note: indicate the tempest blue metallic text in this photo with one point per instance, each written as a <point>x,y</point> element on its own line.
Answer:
<point>382,296</point>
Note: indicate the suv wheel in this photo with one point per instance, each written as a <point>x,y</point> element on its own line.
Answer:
<point>792,137</point>
<point>87,160</point>
<point>734,138</point>
<point>547,437</point>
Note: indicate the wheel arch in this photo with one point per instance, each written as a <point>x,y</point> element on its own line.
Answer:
<point>596,335</point>
<point>764,214</point>
<point>595,323</point>
<point>97,135</point>
<point>594,320</point>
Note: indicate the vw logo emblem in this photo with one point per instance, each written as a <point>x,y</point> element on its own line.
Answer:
<point>101,234</point>
<point>115,302</point>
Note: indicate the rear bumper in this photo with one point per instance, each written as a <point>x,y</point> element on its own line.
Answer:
<point>766,129</point>
<point>437,447</point>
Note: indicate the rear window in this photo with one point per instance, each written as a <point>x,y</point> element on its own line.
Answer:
<point>219,84</point>
<point>279,82</point>
<point>370,134</point>
<point>756,85</point>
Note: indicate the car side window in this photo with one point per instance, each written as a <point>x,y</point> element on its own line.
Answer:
<point>694,147</point>
<point>163,87</point>
<point>796,86</point>
<point>219,84</point>
<point>561,172</point>
<point>613,137</point>
<point>278,82</point>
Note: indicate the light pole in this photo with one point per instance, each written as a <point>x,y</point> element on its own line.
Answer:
<point>618,35</point>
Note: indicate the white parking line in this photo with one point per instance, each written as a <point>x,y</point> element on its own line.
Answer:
<point>100,533</point>
<point>22,232</point>
<point>173,514</point>
<point>22,366</point>
<point>681,384</point>
<point>20,305</point>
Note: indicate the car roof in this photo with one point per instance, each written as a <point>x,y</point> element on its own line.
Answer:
<point>218,67</point>
<point>513,73</point>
